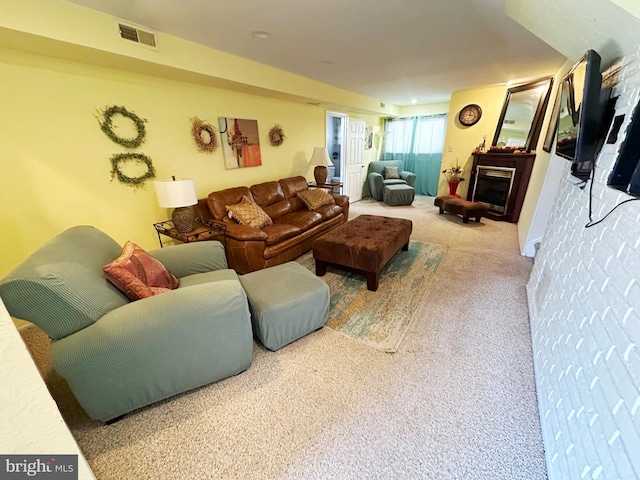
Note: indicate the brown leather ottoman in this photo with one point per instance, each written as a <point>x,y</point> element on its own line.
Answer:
<point>363,245</point>
<point>467,209</point>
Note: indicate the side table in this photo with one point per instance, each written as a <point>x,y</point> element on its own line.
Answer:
<point>331,187</point>
<point>210,231</point>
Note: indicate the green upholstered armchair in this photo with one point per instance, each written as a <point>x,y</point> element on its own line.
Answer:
<point>376,180</point>
<point>118,355</point>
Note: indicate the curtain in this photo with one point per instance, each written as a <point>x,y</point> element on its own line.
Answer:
<point>419,143</point>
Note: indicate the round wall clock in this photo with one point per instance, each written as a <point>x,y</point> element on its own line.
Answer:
<point>470,115</point>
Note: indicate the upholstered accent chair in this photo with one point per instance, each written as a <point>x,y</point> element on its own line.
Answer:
<point>119,355</point>
<point>377,180</point>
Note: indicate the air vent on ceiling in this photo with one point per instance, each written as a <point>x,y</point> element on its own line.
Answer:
<point>137,35</point>
<point>509,122</point>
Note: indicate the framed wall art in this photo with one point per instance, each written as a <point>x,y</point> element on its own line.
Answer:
<point>240,142</point>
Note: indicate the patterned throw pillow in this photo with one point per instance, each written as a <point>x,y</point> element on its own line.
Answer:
<point>248,213</point>
<point>138,275</point>
<point>391,172</point>
<point>315,198</point>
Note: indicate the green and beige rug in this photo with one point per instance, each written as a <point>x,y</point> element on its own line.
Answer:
<point>380,319</point>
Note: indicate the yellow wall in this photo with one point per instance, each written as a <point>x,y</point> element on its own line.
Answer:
<point>540,167</point>
<point>56,159</point>
<point>464,139</point>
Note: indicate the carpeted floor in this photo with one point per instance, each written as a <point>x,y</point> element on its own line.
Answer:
<point>456,401</point>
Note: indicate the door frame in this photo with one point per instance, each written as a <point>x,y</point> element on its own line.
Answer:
<point>344,126</point>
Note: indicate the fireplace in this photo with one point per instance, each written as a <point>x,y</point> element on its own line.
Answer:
<point>500,181</point>
<point>493,187</point>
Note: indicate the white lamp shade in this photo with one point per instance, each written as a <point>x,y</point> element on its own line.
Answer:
<point>383,134</point>
<point>320,157</point>
<point>176,193</point>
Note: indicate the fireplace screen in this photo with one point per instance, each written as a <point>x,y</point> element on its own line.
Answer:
<point>493,187</point>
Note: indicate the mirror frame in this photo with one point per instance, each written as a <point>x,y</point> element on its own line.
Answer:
<point>536,123</point>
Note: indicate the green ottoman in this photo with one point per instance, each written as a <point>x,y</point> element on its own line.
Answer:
<point>398,194</point>
<point>286,302</point>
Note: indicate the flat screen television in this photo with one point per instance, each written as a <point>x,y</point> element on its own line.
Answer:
<point>579,117</point>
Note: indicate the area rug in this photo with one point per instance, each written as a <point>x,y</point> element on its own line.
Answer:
<point>380,319</point>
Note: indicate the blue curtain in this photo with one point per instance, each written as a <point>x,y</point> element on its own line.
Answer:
<point>419,142</point>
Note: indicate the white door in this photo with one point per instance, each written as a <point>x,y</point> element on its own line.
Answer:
<point>355,150</point>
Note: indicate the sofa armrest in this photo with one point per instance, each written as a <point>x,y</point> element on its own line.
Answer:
<point>408,177</point>
<point>244,232</point>
<point>189,258</point>
<point>376,185</point>
<point>157,347</point>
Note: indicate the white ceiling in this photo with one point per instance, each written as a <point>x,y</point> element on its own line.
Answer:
<point>394,51</point>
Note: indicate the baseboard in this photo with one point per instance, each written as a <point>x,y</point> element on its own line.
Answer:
<point>531,247</point>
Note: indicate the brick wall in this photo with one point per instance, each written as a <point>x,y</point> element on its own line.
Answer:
<point>584,301</point>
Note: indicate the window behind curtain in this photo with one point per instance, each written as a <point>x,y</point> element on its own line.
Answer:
<point>419,142</point>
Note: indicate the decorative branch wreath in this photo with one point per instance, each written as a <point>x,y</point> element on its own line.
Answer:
<point>276,136</point>
<point>106,125</point>
<point>204,134</point>
<point>120,158</point>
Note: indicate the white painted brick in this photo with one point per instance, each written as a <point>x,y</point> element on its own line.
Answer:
<point>586,329</point>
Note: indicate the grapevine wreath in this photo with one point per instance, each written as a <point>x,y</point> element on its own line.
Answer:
<point>204,134</point>
<point>120,158</point>
<point>106,125</point>
<point>276,136</point>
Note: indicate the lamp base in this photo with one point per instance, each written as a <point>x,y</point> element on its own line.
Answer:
<point>320,174</point>
<point>183,218</point>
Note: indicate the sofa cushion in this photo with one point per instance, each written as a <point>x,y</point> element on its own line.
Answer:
<point>138,275</point>
<point>217,201</point>
<point>315,198</point>
<point>278,209</point>
<point>292,185</point>
<point>279,232</point>
<point>267,193</point>
<point>248,213</point>
<point>390,172</point>
<point>303,219</point>
<point>329,211</point>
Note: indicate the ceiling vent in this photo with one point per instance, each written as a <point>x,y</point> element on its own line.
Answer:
<point>138,35</point>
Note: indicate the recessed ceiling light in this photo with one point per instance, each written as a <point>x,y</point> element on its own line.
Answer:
<point>413,101</point>
<point>260,34</point>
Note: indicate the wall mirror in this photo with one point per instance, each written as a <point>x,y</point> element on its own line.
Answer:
<point>522,114</point>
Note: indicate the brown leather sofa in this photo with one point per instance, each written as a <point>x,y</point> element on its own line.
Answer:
<point>294,228</point>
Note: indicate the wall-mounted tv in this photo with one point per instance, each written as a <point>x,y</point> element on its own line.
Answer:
<point>580,113</point>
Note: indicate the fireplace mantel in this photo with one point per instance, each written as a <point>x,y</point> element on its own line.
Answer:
<point>523,163</point>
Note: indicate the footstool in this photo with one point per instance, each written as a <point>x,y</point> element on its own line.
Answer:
<point>398,194</point>
<point>286,302</point>
<point>364,245</point>
<point>449,203</point>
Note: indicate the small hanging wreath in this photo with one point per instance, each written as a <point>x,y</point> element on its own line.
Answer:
<point>204,134</point>
<point>106,125</point>
<point>120,158</point>
<point>276,136</point>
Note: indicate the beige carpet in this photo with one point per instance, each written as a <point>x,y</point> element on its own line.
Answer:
<point>456,401</point>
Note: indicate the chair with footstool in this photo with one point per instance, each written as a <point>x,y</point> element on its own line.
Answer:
<point>189,326</point>
<point>389,182</point>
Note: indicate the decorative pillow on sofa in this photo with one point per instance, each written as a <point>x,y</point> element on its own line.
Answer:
<point>315,198</point>
<point>248,213</point>
<point>138,275</point>
<point>390,172</point>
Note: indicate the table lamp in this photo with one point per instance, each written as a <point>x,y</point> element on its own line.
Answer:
<point>179,194</point>
<point>320,159</point>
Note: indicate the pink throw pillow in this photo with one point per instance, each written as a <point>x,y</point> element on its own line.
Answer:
<point>138,275</point>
